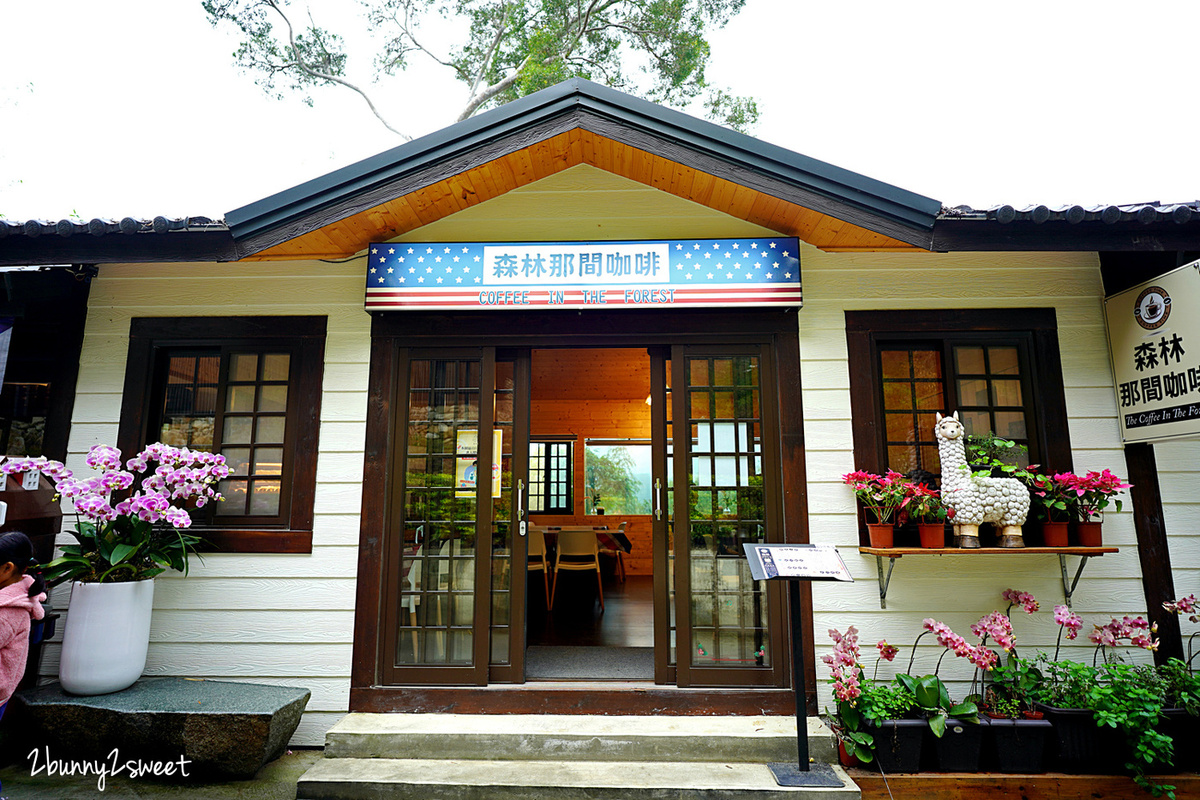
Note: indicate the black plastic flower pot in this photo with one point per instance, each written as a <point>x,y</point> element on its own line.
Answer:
<point>959,748</point>
<point>1184,730</point>
<point>1083,746</point>
<point>898,745</point>
<point>1017,745</point>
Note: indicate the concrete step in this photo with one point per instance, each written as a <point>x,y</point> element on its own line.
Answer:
<point>439,779</point>
<point>569,737</point>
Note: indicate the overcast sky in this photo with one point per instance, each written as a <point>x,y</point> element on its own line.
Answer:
<point>134,108</point>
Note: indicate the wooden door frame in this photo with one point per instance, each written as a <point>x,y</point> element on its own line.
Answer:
<point>778,328</point>
<point>713,676</point>
<point>476,673</point>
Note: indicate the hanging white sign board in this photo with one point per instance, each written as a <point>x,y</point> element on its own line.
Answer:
<point>1154,344</point>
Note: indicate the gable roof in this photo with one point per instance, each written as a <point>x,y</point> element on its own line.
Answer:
<point>577,122</point>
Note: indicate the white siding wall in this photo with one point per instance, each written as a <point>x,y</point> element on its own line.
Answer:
<point>959,589</point>
<point>287,619</point>
<point>270,618</point>
<point>1179,480</point>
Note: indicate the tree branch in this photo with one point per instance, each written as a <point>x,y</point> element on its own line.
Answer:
<point>299,62</point>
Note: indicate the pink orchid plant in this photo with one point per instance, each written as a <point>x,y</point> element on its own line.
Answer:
<point>883,494</point>
<point>1186,605</point>
<point>138,535</point>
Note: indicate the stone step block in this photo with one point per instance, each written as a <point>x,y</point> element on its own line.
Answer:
<point>441,779</point>
<point>570,737</point>
<point>222,728</point>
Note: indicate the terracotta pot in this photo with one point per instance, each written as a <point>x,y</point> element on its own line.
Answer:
<point>1054,534</point>
<point>845,759</point>
<point>932,535</point>
<point>1089,534</point>
<point>881,535</point>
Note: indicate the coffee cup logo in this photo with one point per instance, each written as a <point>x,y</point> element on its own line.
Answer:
<point>1152,308</point>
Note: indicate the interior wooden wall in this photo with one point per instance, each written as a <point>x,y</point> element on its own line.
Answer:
<point>594,394</point>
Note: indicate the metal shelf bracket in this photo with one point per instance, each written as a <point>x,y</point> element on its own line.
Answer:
<point>884,581</point>
<point>1068,584</point>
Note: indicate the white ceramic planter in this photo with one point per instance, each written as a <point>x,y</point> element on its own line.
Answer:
<point>107,635</point>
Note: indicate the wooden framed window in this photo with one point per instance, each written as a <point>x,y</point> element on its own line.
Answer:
<point>987,380</point>
<point>550,478</point>
<point>999,368</point>
<point>248,388</point>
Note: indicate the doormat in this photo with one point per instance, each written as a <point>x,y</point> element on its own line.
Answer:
<point>589,663</point>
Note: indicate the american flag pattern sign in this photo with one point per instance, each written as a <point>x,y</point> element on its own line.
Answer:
<point>763,271</point>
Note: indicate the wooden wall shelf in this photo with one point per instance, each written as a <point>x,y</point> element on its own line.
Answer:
<point>1069,584</point>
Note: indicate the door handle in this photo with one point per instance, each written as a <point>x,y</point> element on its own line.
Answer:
<point>658,498</point>
<point>521,506</point>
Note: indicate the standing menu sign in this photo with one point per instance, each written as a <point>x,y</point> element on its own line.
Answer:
<point>1154,343</point>
<point>760,271</point>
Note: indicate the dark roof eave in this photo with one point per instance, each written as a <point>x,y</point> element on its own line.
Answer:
<point>962,235</point>
<point>180,246</point>
<point>905,210</point>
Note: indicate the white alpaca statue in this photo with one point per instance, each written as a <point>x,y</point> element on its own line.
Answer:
<point>1003,501</point>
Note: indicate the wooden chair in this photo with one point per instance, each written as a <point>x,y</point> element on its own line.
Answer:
<point>537,559</point>
<point>584,550</point>
<point>618,554</point>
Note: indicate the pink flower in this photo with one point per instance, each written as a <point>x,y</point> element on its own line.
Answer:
<point>1069,620</point>
<point>887,651</point>
<point>1136,629</point>
<point>1185,605</point>
<point>1023,599</point>
<point>983,657</point>
<point>845,669</point>
<point>104,457</point>
<point>998,627</point>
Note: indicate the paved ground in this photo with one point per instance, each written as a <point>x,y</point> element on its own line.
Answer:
<point>276,781</point>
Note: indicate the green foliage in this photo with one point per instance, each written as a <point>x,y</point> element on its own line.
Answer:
<point>1129,698</point>
<point>610,483</point>
<point>656,48</point>
<point>881,701</point>
<point>933,701</point>
<point>1181,686</point>
<point>1014,686</point>
<point>126,549</point>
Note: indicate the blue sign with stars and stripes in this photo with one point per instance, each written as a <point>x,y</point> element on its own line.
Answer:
<point>686,272</point>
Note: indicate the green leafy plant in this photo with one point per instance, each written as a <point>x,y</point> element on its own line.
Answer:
<point>934,703</point>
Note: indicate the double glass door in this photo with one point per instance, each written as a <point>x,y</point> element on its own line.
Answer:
<point>455,568</point>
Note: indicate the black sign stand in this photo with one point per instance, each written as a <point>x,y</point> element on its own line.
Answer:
<point>802,773</point>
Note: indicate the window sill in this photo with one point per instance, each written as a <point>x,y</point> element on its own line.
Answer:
<point>226,540</point>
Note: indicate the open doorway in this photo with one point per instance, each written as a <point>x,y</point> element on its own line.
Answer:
<point>590,475</point>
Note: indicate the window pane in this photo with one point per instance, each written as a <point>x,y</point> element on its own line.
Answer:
<point>243,367</point>
<point>976,423</point>
<point>900,428</point>
<point>895,364</point>
<point>181,370</point>
<point>973,392</point>
<point>1011,424</point>
<point>272,398</point>
<point>276,366</point>
<point>969,361</point>
<point>206,401</point>
<point>1003,361</point>
<point>264,500</point>
<point>897,396</point>
<point>268,461</point>
<point>233,498</point>
<point>927,364</point>
<point>237,459</point>
<point>270,430</point>
<point>239,398</point>
<point>1006,393</point>
<point>902,458</point>
<point>929,395</point>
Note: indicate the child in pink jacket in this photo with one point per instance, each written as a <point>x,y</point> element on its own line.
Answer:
<point>21,599</point>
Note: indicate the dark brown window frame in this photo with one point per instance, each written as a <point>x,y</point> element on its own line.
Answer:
<point>150,336</point>
<point>569,505</point>
<point>866,329</point>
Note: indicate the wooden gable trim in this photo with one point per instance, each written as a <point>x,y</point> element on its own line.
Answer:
<point>430,196</point>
